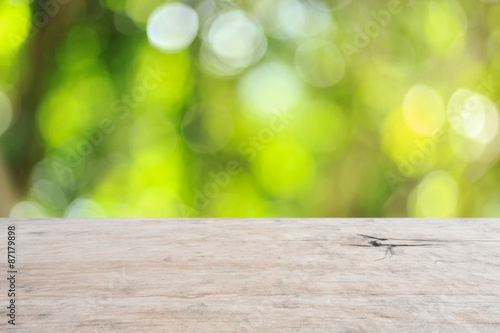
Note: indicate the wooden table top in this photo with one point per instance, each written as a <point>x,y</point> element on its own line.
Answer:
<point>253,275</point>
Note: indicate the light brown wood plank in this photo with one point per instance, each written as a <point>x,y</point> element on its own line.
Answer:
<point>257,275</point>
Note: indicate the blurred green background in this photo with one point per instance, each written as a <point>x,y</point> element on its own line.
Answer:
<point>283,108</point>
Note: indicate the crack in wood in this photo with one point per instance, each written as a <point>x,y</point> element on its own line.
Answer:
<point>377,242</point>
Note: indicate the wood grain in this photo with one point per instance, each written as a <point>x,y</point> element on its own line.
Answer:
<point>257,275</point>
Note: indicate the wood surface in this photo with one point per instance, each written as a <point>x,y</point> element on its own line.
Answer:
<point>255,275</point>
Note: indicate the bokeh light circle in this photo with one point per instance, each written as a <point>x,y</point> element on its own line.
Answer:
<point>84,208</point>
<point>466,149</point>
<point>300,18</point>
<point>172,27</point>
<point>234,41</point>
<point>270,87</point>
<point>49,194</point>
<point>233,35</point>
<point>423,110</point>
<point>438,23</point>
<point>466,114</point>
<point>491,123</point>
<point>445,22</point>
<point>15,26</point>
<point>437,196</point>
<point>27,209</point>
<point>294,19</point>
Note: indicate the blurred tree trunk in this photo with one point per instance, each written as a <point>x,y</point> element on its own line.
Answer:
<point>8,196</point>
<point>23,144</point>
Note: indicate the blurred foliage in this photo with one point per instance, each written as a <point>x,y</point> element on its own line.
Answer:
<point>265,108</point>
